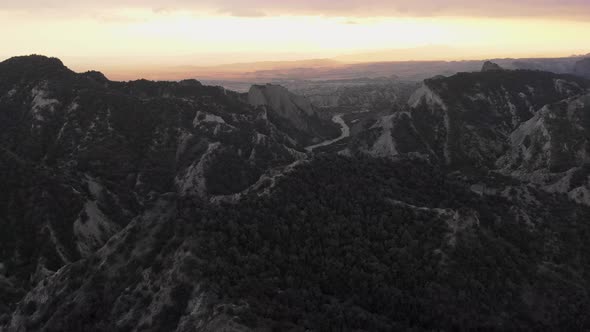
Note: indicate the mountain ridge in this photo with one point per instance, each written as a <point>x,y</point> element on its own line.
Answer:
<point>94,153</point>
<point>177,206</point>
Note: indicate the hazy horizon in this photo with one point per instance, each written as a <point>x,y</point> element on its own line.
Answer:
<point>190,66</point>
<point>126,39</point>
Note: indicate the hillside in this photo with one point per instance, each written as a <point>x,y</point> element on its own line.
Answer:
<point>82,156</point>
<point>175,206</point>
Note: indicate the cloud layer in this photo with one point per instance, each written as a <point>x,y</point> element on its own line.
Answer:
<point>354,8</point>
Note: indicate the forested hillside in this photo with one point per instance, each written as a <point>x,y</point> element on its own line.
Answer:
<point>173,206</point>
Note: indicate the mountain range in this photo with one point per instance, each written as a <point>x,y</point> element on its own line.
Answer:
<point>460,202</point>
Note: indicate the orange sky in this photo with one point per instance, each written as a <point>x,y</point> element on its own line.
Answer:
<point>153,33</point>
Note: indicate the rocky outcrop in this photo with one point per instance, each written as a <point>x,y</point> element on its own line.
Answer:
<point>391,136</point>
<point>555,139</point>
<point>292,113</point>
<point>491,66</point>
<point>280,100</point>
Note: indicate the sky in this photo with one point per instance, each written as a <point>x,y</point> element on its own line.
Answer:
<point>116,34</point>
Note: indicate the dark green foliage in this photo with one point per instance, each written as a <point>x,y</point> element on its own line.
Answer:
<point>326,242</point>
<point>339,244</point>
<point>126,137</point>
<point>580,176</point>
<point>329,251</point>
<point>229,173</point>
<point>167,319</point>
<point>32,201</point>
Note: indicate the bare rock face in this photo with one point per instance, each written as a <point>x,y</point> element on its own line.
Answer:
<point>555,139</point>
<point>280,99</point>
<point>582,68</point>
<point>491,66</point>
<point>289,111</point>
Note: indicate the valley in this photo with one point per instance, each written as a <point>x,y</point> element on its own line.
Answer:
<point>343,127</point>
<point>456,202</point>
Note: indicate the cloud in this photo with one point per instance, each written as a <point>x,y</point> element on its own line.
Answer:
<point>349,8</point>
<point>242,12</point>
<point>116,18</point>
<point>163,10</point>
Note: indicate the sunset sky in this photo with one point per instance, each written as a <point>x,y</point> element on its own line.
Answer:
<point>117,33</point>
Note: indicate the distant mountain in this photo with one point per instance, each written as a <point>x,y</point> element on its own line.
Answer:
<point>401,70</point>
<point>490,66</point>
<point>557,65</point>
<point>424,53</point>
<point>582,68</point>
<point>409,64</point>
<point>379,94</point>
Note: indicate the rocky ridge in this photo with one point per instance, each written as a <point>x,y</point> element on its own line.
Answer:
<point>294,114</point>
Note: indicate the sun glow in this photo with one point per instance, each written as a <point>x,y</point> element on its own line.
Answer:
<point>142,37</point>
